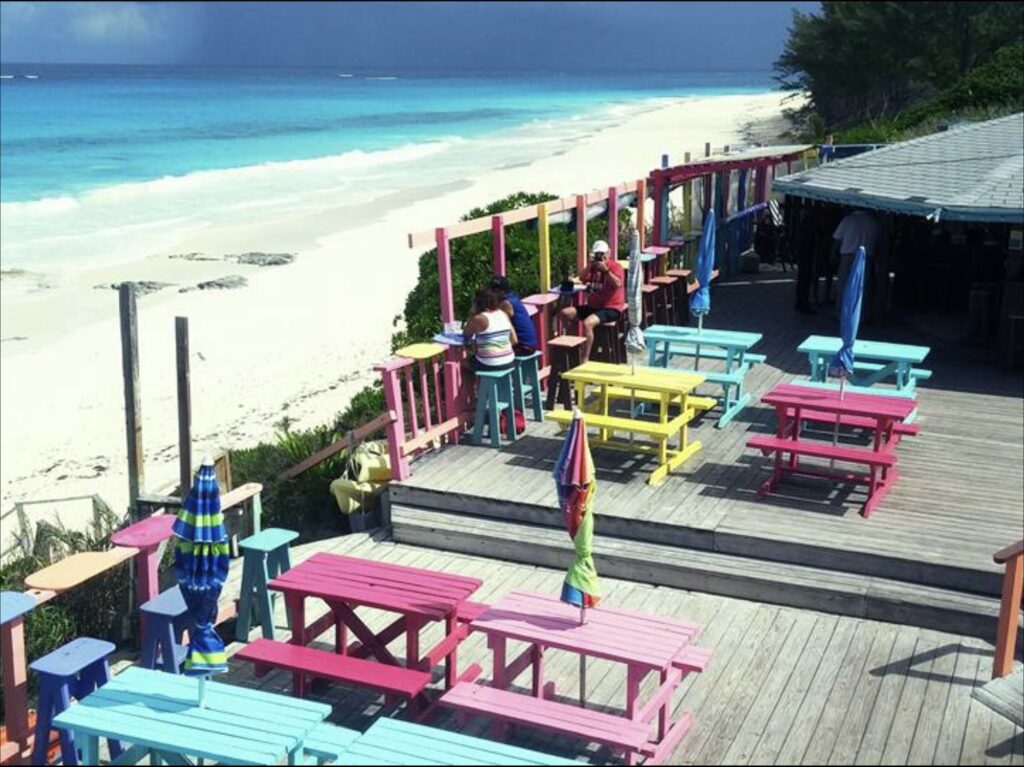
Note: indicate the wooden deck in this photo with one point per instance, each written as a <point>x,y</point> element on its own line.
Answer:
<point>786,686</point>
<point>959,498</point>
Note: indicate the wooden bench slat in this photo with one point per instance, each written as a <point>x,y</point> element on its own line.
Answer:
<point>568,719</point>
<point>906,429</point>
<point>341,668</point>
<point>823,450</point>
<point>468,611</point>
<point>693,400</point>
<point>616,423</point>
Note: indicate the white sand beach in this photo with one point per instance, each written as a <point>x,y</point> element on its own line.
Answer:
<point>297,340</point>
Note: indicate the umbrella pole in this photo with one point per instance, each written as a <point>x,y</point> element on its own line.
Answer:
<point>583,662</point>
<point>835,430</point>
<point>202,692</point>
<point>700,329</point>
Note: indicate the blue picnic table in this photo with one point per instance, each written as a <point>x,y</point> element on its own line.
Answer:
<point>875,362</point>
<point>158,713</point>
<point>731,346</point>
<point>393,741</point>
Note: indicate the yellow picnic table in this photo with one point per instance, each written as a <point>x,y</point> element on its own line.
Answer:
<point>668,388</point>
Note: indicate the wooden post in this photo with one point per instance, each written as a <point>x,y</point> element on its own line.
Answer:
<point>659,232</point>
<point>741,191</point>
<point>544,235</point>
<point>184,406</point>
<point>15,675</point>
<point>396,430</point>
<point>664,161</point>
<point>641,201</point>
<point>613,221</point>
<point>1009,609</point>
<point>498,244</point>
<point>707,148</point>
<point>581,233</point>
<point>444,274</point>
<point>132,400</point>
<point>687,200</point>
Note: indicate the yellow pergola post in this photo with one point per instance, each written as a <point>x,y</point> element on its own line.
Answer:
<point>544,233</point>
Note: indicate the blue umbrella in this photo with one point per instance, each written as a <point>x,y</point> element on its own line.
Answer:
<point>849,322</point>
<point>201,565</point>
<point>700,302</point>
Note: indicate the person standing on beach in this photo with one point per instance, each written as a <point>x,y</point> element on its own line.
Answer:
<point>513,306</point>
<point>607,302</point>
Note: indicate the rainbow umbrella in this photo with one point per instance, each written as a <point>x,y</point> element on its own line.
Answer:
<point>576,483</point>
<point>201,565</point>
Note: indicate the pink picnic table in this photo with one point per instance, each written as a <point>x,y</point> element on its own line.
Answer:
<point>345,583</point>
<point>645,644</point>
<point>883,415</point>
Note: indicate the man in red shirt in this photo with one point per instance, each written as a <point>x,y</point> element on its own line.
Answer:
<point>607,283</point>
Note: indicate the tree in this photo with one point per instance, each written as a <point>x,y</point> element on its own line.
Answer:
<point>864,61</point>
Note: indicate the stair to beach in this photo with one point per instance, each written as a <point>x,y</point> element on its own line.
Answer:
<point>726,574</point>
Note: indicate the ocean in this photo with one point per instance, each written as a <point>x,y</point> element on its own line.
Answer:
<point>100,164</point>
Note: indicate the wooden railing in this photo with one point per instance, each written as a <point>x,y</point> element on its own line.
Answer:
<point>1009,610</point>
<point>425,405</point>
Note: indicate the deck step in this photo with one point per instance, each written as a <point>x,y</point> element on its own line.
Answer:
<point>765,544</point>
<point>710,572</point>
<point>1005,696</point>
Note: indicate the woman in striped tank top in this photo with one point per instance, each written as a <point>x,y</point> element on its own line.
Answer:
<point>493,333</point>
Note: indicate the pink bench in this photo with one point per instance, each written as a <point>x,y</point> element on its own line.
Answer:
<point>393,681</point>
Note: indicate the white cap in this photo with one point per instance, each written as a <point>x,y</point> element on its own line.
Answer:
<point>600,247</point>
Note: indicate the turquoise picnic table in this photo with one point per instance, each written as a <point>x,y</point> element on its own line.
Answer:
<point>159,715</point>
<point>732,346</point>
<point>393,741</point>
<point>876,362</point>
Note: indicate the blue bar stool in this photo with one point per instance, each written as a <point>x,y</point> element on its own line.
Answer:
<point>165,618</point>
<point>266,557</point>
<point>71,671</point>
<point>494,393</point>
<point>528,380</point>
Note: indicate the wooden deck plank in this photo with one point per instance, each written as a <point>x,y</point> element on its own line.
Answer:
<point>936,696</point>
<point>954,719</point>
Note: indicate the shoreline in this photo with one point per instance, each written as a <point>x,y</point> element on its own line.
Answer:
<point>298,340</point>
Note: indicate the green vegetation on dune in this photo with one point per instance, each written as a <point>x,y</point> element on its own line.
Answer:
<point>885,71</point>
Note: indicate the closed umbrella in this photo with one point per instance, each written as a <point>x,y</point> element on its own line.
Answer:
<point>700,302</point>
<point>635,344</point>
<point>201,565</point>
<point>842,361</point>
<point>576,483</point>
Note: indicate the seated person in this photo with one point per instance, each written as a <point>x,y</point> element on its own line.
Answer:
<point>513,306</point>
<point>492,329</point>
<point>607,301</point>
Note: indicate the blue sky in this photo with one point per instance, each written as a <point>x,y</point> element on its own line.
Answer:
<point>566,36</point>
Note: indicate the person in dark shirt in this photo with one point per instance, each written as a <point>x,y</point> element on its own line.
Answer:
<point>513,306</point>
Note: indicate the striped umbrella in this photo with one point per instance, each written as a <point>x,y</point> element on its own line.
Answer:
<point>201,565</point>
<point>576,483</point>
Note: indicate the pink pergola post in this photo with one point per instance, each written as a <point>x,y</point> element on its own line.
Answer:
<point>613,221</point>
<point>444,274</point>
<point>659,231</point>
<point>498,244</point>
<point>641,202</point>
<point>581,233</point>
<point>393,399</point>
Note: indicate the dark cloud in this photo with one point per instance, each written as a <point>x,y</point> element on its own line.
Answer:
<point>570,36</point>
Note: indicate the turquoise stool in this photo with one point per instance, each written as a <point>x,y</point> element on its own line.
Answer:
<point>528,380</point>
<point>71,671</point>
<point>164,620</point>
<point>494,394</point>
<point>266,557</point>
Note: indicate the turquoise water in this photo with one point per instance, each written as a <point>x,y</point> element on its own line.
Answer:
<point>77,142</point>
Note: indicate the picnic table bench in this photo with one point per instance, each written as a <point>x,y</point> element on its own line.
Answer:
<point>397,742</point>
<point>731,346</point>
<point>794,404</point>
<point>644,644</point>
<point>418,596</point>
<point>159,715</point>
<point>874,363</point>
<point>671,389</point>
